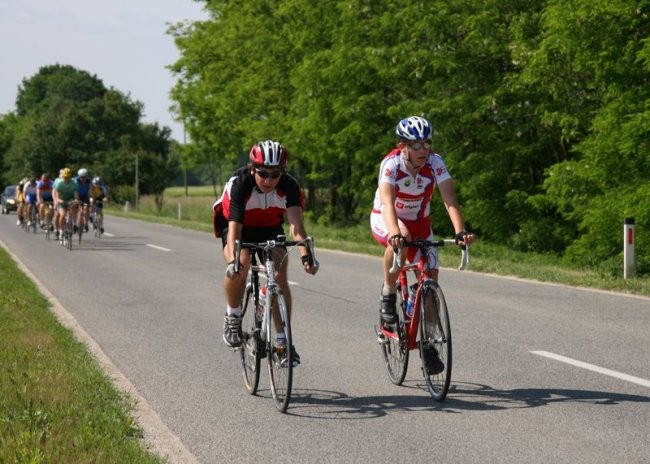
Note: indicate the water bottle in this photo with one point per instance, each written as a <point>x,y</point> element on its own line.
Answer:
<point>260,306</point>
<point>410,304</point>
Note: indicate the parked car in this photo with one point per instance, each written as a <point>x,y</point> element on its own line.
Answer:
<point>8,199</point>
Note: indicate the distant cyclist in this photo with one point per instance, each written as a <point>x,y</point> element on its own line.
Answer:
<point>67,196</point>
<point>29,192</point>
<point>20,202</point>
<point>252,209</point>
<point>44,196</point>
<point>83,184</point>
<point>98,195</point>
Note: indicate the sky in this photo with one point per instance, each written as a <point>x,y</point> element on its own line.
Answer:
<point>122,42</point>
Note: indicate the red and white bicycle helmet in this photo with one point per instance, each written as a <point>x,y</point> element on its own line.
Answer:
<point>414,128</point>
<point>269,153</point>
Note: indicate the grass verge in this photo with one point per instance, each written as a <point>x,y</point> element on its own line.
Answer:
<point>55,403</point>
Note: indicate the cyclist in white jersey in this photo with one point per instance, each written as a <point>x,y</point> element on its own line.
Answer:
<point>408,176</point>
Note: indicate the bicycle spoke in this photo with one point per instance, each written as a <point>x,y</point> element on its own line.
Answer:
<point>392,339</point>
<point>435,341</point>
<point>280,358</point>
<point>250,354</point>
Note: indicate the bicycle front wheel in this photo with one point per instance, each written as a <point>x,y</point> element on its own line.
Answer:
<point>392,340</point>
<point>435,341</point>
<point>280,355</point>
<point>250,353</point>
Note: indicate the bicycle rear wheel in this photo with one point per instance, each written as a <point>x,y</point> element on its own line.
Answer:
<point>280,356</point>
<point>393,345</point>
<point>250,352</point>
<point>98,225</point>
<point>435,339</point>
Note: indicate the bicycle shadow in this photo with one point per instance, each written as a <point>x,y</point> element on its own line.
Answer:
<point>323,404</point>
<point>106,243</point>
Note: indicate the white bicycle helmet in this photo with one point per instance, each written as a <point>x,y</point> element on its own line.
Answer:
<point>414,128</point>
<point>83,172</point>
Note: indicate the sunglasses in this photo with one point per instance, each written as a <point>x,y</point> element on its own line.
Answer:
<point>268,174</point>
<point>419,145</point>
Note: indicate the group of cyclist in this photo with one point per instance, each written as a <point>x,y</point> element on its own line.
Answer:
<point>52,199</point>
<point>256,198</point>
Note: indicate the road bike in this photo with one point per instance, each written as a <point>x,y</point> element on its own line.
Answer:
<point>422,323</point>
<point>31,218</point>
<point>47,220</point>
<point>264,317</point>
<point>81,219</point>
<point>97,220</point>
<point>68,228</point>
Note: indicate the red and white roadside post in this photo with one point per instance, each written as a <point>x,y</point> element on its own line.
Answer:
<point>628,248</point>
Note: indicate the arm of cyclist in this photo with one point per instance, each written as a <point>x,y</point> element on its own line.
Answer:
<point>448,194</point>
<point>387,198</point>
<point>234,234</point>
<point>298,232</point>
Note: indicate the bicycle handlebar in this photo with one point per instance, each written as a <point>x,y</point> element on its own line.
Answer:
<point>423,245</point>
<point>279,241</point>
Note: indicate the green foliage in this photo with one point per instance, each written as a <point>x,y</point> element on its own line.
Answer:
<point>67,118</point>
<point>537,106</point>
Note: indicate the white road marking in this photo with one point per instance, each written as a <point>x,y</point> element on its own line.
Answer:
<point>158,247</point>
<point>594,368</point>
<point>108,234</point>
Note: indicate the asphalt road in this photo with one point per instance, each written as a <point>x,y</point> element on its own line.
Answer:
<point>542,373</point>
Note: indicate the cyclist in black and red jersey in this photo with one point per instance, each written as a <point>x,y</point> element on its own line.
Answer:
<point>252,209</point>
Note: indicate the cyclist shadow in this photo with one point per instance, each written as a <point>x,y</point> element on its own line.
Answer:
<point>478,397</point>
<point>461,397</point>
<point>122,243</point>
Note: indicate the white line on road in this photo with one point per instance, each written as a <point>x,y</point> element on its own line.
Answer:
<point>158,247</point>
<point>591,367</point>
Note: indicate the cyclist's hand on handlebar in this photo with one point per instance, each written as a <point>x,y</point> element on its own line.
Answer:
<point>310,264</point>
<point>464,238</point>
<point>232,270</point>
<point>396,241</point>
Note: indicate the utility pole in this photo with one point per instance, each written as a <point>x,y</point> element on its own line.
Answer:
<point>137,193</point>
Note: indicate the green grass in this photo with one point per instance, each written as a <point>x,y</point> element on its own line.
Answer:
<point>55,403</point>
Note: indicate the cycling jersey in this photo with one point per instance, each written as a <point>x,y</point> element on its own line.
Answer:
<point>243,202</point>
<point>97,192</point>
<point>83,189</point>
<point>412,200</point>
<point>66,190</point>
<point>29,190</point>
<point>412,194</point>
<point>46,189</point>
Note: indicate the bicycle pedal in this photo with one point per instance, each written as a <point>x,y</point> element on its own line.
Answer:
<point>381,338</point>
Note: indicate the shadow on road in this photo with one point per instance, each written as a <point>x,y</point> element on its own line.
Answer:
<point>462,397</point>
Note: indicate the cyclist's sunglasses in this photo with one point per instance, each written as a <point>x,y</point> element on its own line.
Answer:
<point>268,174</point>
<point>419,145</point>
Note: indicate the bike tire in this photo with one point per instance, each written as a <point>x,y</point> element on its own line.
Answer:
<point>280,373</point>
<point>97,225</point>
<point>437,335</point>
<point>251,355</point>
<point>393,348</point>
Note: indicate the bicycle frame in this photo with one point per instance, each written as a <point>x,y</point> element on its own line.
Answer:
<point>261,337</point>
<point>420,269</point>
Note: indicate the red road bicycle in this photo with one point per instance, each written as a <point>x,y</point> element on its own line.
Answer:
<point>425,325</point>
